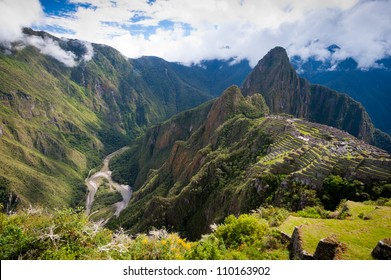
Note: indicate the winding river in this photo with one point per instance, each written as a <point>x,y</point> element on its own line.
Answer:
<point>93,182</point>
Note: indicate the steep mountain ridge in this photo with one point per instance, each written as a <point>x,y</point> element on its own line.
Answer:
<point>239,158</point>
<point>285,92</point>
<point>366,86</point>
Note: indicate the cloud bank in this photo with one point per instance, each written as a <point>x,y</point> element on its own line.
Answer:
<point>49,47</point>
<point>189,31</point>
<point>16,16</point>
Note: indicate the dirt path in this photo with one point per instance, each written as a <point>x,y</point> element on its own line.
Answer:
<point>93,181</point>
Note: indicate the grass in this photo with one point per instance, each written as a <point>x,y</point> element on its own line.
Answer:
<point>360,235</point>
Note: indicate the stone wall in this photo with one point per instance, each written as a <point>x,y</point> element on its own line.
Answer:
<point>296,251</point>
<point>328,248</point>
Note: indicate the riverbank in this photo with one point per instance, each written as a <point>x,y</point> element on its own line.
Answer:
<point>93,182</point>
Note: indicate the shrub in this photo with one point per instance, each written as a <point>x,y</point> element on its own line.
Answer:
<point>68,234</point>
<point>275,216</point>
<point>380,202</point>
<point>208,248</point>
<point>245,229</point>
<point>315,212</point>
<point>246,237</point>
<point>170,247</point>
<point>343,211</point>
<point>337,188</point>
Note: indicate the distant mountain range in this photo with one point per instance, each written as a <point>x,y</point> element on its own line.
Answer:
<point>192,158</point>
<point>285,92</point>
<point>370,87</point>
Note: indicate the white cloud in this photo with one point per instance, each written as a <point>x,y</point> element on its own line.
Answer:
<point>16,14</point>
<point>363,32</point>
<point>207,29</point>
<point>49,47</point>
<point>89,51</point>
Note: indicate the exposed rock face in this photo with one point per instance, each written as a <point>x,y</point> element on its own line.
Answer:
<point>329,249</point>
<point>340,111</point>
<point>365,86</point>
<point>382,251</point>
<point>296,251</point>
<point>285,92</point>
<point>278,82</point>
<point>156,146</point>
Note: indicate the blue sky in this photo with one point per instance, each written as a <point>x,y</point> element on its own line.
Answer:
<point>189,31</point>
<point>56,7</point>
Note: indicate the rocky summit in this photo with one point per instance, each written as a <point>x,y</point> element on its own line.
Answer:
<point>285,92</point>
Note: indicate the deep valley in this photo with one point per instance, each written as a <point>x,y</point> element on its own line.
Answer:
<point>122,158</point>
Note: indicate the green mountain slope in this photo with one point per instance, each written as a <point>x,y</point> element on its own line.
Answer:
<point>285,92</point>
<point>47,131</point>
<point>57,122</point>
<point>239,158</point>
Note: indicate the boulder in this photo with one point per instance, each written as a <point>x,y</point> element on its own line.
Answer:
<point>382,251</point>
<point>329,248</point>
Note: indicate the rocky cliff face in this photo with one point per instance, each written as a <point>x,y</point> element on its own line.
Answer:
<point>340,111</point>
<point>366,86</point>
<point>278,82</point>
<point>285,92</point>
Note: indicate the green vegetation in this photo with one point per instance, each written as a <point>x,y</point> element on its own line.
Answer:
<point>204,166</point>
<point>360,229</point>
<point>313,212</point>
<point>233,162</point>
<point>56,122</point>
<point>337,188</point>
<point>245,237</point>
<point>273,215</point>
<point>67,234</point>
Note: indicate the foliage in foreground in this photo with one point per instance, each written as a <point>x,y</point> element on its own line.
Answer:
<point>68,234</point>
<point>245,237</point>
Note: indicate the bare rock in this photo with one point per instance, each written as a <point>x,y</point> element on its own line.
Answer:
<point>329,248</point>
<point>382,251</point>
<point>295,247</point>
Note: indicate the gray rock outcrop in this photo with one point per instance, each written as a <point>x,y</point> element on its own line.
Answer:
<point>382,251</point>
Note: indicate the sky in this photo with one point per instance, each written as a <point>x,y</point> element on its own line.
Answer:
<point>189,31</point>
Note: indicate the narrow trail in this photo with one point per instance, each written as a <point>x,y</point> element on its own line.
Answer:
<point>93,182</point>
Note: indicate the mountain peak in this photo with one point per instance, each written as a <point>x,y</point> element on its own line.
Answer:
<point>276,79</point>
<point>276,56</point>
<point>285,92</point>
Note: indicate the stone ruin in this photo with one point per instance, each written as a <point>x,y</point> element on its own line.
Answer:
<point>328,248</point>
